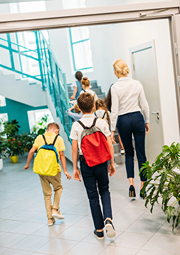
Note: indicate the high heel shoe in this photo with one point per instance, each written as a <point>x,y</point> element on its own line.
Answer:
<point>132,192</point>
<point>143,195</point>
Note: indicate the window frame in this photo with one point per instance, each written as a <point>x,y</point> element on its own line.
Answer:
<point>72,51</point>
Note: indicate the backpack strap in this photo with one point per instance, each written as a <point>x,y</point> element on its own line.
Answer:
<point>82,124</point>
<point>95,114</point>
<point>84,127</point>
<point>55,139</point>
<point>94,122</point>
<point>44,139</point>
<point>103,115</point>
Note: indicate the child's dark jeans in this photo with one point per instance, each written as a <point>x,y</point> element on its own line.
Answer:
<point>96,179</point>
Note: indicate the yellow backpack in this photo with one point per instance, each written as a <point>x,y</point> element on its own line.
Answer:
<point>46,160</point>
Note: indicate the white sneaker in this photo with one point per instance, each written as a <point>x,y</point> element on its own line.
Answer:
<point>57,215</point>
<point>122,152</point>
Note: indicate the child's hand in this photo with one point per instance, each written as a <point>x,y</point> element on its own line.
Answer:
<point>111,169</point>
<point>77,175</point>
<point>67,175</point>
<point>27,166</point>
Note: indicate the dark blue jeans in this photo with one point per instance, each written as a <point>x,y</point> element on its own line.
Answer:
<point>133,124</point>
<point>96,180</point>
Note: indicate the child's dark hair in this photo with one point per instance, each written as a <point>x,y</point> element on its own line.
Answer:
<point>101,104</point>
<point>107,100</point>
<point>85,102</point>
<point>78,75</point>
<point>85,82</point>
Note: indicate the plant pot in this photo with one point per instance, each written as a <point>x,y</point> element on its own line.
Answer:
<point>14,159</point>
<point>1,164</point>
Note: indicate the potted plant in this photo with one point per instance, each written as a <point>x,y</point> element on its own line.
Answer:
<point>163,185</point>
<point>14,148</point>
<point>40,127</point>
<point>27,140</point>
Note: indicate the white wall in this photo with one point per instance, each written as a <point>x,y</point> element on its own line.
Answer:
<point>110,42</point>
<point>117,40</point>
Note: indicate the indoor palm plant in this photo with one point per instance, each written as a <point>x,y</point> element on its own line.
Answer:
<point>163,185</point>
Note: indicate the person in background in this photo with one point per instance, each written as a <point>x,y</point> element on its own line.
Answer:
<point>108,104</point>
<point>50,136</point>
<point>127,94</point>
<point>77,85</point>
<point>86,88</point>
<point>75,116</point>
<point>102,112</point>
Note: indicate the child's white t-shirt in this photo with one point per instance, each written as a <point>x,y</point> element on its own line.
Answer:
<point>100,114</point>
<point>87,120</point>
<point>91,92</point>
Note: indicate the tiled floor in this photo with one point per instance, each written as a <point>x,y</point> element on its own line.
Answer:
<point>24,230</point>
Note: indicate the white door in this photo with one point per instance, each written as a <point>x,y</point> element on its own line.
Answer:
<point>145,70</point>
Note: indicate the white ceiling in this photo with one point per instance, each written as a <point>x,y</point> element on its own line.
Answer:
<point>17,1</point>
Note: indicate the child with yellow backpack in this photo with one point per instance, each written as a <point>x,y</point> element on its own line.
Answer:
<point>50,147</point>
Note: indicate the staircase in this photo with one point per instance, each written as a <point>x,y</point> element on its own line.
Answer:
<point>49,86</point>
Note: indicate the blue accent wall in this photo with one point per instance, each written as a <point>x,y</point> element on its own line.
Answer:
<point>18,111</point>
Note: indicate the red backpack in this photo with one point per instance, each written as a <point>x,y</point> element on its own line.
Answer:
<point>94,145</point>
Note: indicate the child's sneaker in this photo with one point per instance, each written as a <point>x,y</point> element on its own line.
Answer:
<point>99,235</point>
<point>51,222</point>
<point>110,230</point>
<point>57,215</point>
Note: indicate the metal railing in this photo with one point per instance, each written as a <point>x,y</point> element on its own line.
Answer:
<point>48,72</point>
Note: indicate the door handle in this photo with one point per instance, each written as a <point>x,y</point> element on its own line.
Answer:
<point>156,114</point>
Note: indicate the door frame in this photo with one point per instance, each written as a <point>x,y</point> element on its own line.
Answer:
<point>99,16</point>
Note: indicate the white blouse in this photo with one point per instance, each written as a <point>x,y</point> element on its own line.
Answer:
<point>126,94</point>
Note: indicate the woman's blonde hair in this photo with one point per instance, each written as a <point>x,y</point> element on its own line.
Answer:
<point>101,104</point>
<point>85,82</point>
<point>121,67</point>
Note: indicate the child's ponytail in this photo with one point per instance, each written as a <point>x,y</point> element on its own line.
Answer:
<point>101,104</point>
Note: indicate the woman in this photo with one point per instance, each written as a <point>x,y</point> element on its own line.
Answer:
<point>126,94</point>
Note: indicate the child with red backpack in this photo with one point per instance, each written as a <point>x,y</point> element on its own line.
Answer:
<point>92,136</point>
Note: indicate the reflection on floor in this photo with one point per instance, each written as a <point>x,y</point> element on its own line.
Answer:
<point>24,230</point>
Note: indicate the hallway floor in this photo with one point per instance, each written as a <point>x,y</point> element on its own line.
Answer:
<point>24,230</point>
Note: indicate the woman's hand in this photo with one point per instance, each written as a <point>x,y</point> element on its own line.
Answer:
<point>147,128</point>
<point>113,137</point>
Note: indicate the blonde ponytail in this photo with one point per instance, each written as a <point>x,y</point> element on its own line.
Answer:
<point>121,67</point>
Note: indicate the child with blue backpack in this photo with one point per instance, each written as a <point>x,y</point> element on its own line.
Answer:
<point>50,147</point>
<point>91,136</point>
